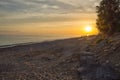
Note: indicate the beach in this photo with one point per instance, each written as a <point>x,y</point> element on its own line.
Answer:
<point>60,59</point>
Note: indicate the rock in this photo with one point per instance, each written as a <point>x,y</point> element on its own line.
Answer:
<point>107,61</point>
<point>81,69</point>
<point>98,72</point>
<point>90,70</point>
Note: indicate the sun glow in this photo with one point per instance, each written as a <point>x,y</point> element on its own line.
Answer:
<point>88,29</point>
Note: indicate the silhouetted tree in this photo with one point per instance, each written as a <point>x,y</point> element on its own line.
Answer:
<point>108,20</point>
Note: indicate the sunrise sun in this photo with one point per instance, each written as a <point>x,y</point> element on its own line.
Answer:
<point>88,28</point>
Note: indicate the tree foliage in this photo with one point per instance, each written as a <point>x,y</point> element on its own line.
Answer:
<point>108,21</point>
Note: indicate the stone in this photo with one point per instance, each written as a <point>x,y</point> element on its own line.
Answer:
<point>90,70</point>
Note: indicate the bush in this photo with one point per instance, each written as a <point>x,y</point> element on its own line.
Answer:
<point>108,21</point>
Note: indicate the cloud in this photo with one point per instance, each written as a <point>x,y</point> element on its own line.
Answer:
<point>46,6</point>
<point>27,11</point>
<point>46,19</point>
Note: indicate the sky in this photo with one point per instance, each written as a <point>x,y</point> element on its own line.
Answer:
<point>47,17</point>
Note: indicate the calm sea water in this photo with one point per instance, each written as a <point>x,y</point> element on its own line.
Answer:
<point>9,40</point>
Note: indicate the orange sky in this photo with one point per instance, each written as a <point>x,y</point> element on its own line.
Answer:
<point>73,25</point>
<point>53,18</point>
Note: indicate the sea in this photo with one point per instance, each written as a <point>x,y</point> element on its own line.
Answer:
<point>8,40</point>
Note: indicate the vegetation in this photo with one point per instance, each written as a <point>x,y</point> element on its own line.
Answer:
<point>108,21</point>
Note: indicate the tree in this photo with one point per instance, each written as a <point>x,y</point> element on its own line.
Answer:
<point>108,21</point>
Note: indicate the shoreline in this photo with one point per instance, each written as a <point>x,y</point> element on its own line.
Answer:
<point>8,41</point>
<point>32,43</point>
